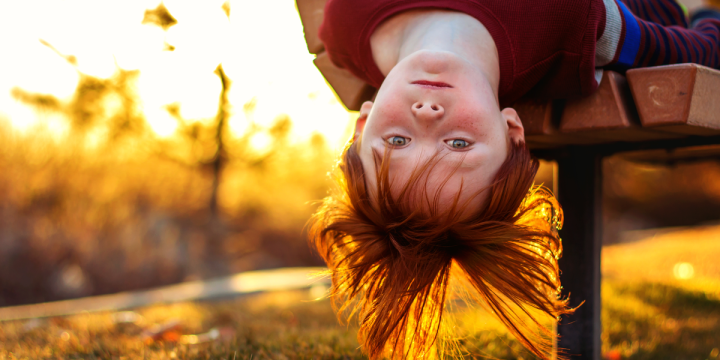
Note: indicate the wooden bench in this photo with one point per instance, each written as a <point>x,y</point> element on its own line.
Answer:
<point>672,112</point>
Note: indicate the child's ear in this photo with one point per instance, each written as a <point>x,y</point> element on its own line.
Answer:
<point>516,132</point>
<point>362,119</point>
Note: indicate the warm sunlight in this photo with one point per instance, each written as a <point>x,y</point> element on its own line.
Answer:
<point>260,45</point>
<point>160,121</point>
<point>261,142</point>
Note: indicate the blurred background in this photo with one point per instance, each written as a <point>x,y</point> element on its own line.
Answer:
<point>145,143</point>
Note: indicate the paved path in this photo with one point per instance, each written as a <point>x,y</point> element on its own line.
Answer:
<point>243,283</point>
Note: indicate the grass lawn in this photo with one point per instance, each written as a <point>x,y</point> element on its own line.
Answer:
<point>661,300</point>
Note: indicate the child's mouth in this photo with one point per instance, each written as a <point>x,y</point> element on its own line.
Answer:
<point>431,84</point>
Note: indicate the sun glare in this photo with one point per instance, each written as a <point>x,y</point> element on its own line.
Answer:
<point>261,47</point>
<point>20,117</point>
<point>261,142</point>
<point>161,122</point>
<point>683,271</point>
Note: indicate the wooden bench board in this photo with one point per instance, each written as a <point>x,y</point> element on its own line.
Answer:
<point>311,15</point>
<point>682,98</point>
<point>608,108</point>
<point>609,114</point>
<point>351,91</point>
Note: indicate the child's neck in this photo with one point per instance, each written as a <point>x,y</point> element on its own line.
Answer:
<point>436,30</point>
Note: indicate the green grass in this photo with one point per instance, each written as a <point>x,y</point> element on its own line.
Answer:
<point>648,313</point>
<point>651,313</point>
<point>657,321</point>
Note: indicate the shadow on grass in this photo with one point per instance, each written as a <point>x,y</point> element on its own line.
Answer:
<point>659,321</point>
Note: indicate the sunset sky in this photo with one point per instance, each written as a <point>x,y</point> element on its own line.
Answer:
<point>261,47</point>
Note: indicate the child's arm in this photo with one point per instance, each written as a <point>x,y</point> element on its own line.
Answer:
<point>661,12</point>
<point>646,43</point>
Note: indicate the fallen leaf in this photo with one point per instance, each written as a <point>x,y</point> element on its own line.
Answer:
<point>168,331</point>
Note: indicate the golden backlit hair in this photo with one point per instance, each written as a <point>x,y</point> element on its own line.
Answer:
<point>391,264</point>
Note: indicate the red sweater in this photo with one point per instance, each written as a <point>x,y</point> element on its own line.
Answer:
<point>546,47</point>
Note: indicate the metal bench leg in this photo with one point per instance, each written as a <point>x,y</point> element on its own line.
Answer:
<point>579,193</point>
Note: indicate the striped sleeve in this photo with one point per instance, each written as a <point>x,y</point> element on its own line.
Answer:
<point>631,41</point>
<point>661,12</point>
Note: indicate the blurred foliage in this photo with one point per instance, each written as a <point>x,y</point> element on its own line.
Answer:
<point>78,220</point>
<point>640,195</point>
<point>112,207</point>
<point>110,105</point>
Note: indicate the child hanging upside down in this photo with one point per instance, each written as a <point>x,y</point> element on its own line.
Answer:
<point>436,185</point>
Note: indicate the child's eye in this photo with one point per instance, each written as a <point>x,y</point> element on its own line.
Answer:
<point>458,143</point>
<point>398,141</point>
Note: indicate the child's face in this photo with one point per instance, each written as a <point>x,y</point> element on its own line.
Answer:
<point>434,101</point>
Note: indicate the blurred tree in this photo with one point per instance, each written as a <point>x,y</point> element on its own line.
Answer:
<point>110,102</point>
<point>211,141</point>
<point>212,148</point>
<point>220,156</point>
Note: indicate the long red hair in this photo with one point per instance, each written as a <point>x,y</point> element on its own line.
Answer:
<point>392,264</point>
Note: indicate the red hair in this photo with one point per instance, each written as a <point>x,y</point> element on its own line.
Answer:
<point>391,264</point>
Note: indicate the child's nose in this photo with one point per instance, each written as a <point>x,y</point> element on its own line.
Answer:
<point>428,111</point>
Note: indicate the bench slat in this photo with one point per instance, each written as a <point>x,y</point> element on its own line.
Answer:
<point>536,117</point>
<point>608,114</point>
<point>670,156</point>
<point>683,98</point>
<point>311,15</point>
<point>540,118</point>
<point>351,91</point>
<point>609,108</point>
